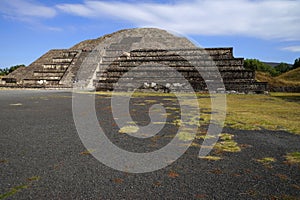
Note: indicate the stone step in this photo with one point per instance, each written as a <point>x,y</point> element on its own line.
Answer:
<point>226,52</point>
<point>123,46</point>
<point>181,68</point>
<point>130,40</point>
<point>211,77</point>
<point>161,51</point>
<point>114,52</point>
<point>176,60</point>
<point>180,87</point>
<point>55,66</point>
<point>70,75</point>
<point>172,81</point>
<point>69,54</point>
<point>178,69</point>
<point>48,74</point>
<point>40,82</point>
<point>191,74</point>
<point>245,87</point>
<point>49,71</point>
<point>46,78</point>
<point>121,57</point>
<point>222,51</point>
<point>62,60</point>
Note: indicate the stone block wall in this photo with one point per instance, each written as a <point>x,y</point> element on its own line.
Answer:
<point>188,62</point>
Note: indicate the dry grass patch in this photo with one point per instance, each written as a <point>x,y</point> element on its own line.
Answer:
<point>254,112</point>
<point>227,144</point>
<point>244,112</point>
<point>213,158</point>
<point>129,129</point>
<point>185,136</point>
<point>87,152</point>
<point>226,136</point>
<point>266,160</point>
<point>293,158</point>
<point>290,78</point>
<point>34,178</point>
<point>13,191</point>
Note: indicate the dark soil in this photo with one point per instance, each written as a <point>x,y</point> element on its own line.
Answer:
<point>41,149</point>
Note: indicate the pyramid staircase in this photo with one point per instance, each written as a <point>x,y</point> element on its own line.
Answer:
<point>119,59</point>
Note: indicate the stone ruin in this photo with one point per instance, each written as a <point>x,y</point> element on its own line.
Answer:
<point>100,63</point>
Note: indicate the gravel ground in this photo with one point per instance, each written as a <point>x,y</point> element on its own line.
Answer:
<point>41,151</point>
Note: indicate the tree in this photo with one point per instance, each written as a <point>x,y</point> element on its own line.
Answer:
<point>282,68</point>
<point>13,68</point>
<point>257,65</point>
<point>296,63</point>
<point>5,71</point>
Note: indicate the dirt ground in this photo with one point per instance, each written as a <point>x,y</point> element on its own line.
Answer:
<point>42,157</point>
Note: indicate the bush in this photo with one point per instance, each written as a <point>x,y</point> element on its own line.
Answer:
<point>282,68</point>
<point>257,65</point>
<point>4,71</point>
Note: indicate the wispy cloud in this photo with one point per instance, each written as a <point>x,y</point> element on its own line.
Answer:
<point>25,9</point>
<point>292,48</point>
<point>29,12</point>
<point>267,19</point>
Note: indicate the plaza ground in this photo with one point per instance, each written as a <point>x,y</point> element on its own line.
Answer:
<point>42,156</point>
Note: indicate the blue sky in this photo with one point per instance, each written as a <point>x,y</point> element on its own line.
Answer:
<point>268,30</point>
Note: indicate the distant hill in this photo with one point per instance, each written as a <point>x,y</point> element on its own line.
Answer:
<point>291,76</point>
<point>289,81</point>
<point>274,64</point>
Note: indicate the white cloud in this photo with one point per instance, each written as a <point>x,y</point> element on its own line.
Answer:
<point>267,19</point>
<point>29,12</point>
<point>25,10</point>
<point>292,48</point>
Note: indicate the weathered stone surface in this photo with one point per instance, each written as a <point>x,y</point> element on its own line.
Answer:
<point>100,63</point>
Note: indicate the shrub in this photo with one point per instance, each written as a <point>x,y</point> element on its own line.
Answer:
<point>257,65</point>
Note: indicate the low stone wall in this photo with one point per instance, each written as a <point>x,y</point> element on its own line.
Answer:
<point>285,89</point>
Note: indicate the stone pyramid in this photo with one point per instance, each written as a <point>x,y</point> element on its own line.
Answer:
<point>152,58</point>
